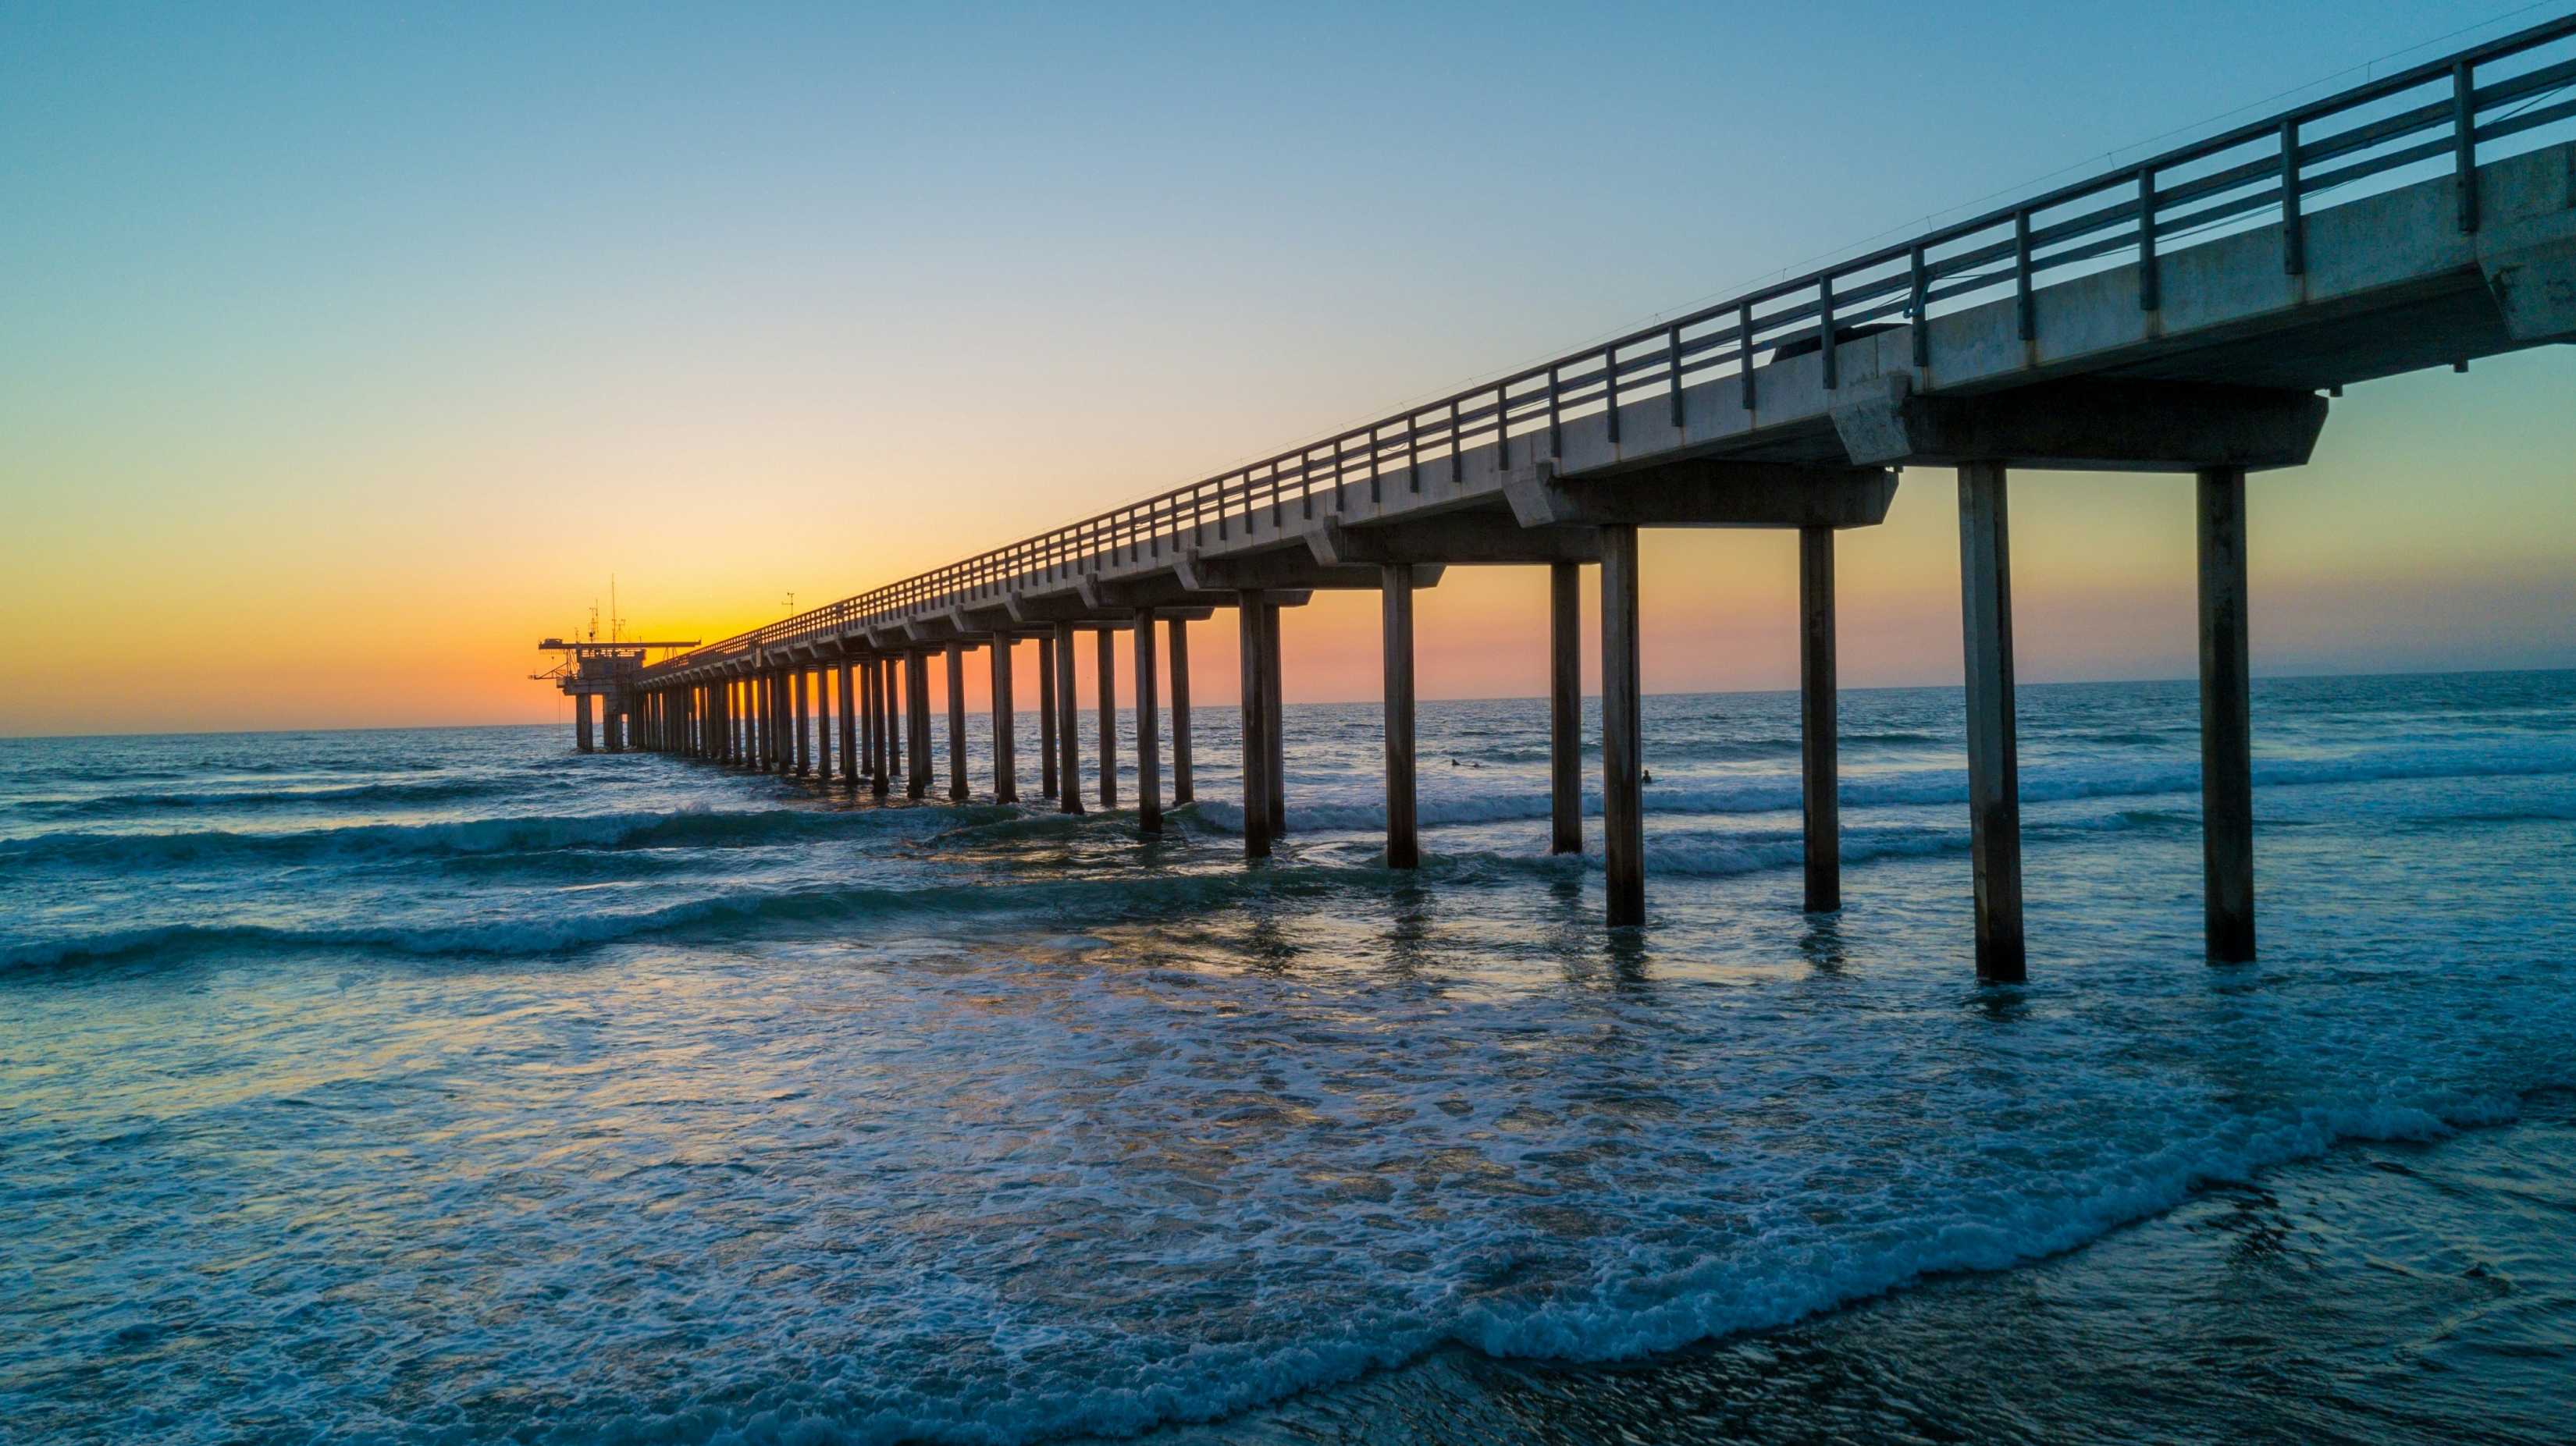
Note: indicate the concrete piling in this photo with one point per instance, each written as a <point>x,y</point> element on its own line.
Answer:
<point>1819,720</point>
<point>959,790</point>
<point>1108,740</point>
<point>1623,823</point>
<point>1994,783</point>
<point>1183,791</point>
<point>1046,715</point>
<point>2226,720</point>
<point>1274,704</point>
<point>1006,768</point>
<point>848,688</point>
<point>1149,747</point>
<point>1395,613</point>
<point>1256,752</point>
<point>916,718</point>
<point>1069,759</point>
<point>799,709</point>
<point>581,740</point>
<point>1565,708</point>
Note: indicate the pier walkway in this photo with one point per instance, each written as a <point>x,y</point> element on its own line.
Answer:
<point>2192,312</point>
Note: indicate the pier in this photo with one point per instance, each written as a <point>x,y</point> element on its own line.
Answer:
<point>2193,313</point>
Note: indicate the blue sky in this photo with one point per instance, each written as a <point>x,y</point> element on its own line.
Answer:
<point>387,335</point>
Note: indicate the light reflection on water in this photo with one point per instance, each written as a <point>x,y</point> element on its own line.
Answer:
<point>618,1098</point>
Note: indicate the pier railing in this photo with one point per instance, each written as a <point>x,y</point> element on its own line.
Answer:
<point>2442,116</point>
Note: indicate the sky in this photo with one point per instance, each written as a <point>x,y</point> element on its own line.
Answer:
<point>345,351</point>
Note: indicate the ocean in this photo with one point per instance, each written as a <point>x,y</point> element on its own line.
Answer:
<point>446,1086</point>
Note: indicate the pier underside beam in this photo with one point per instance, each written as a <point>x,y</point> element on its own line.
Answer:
<point>2083,424</point>
<point>1453,538</point>
<point>1704,492</point>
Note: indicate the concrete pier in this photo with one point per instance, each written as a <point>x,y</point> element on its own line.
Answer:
<point>959,789</point>
<point>1183,789</point>
<point>1994,769</point>
<point>1395,614</point>
<point>1149,746</point>
<point>1067,724</point>
<point>2226,720</point>
<point>581,739</point>
<point>1623,819</point>
<point>1249,611</point>
<point>1565,707</point>
<point>1108,701</point>
<point>2048,332</point>
<point>1819,721</point>
<point>1006,766</point>
<point>1046,715</point>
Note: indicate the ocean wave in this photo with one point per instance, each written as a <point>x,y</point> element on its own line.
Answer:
<point>154,804</point>
<point>526,833</point>
<point>2040,783</point>
<point>539,932</point>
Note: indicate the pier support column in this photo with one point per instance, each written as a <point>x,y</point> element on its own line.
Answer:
<point>773,717</point>
<point>1046,715</point>
<point>847,685</point>
<point>2226,720</point>
<point>1274,703</point>
<point>799,685</point>
<point>1395,622</point>
<point>581,741</point>
<point>1006,722</point>
<point>1067,718</point>
<point>1108,719</point>
<point>916,719</point>
<point>1247,626</point>
<point>1623,818</point>
<point>1565,707</point>
<point>612,718</point>
<point>1256,750</point>
<point>958,788</point>
<point>1183,790</point>
<point>1819,720</point>
<point>1149,736</point>
<point>821,685</point>
<point>889,717</point>
<point>881,678</point>
<point>1994,770</point>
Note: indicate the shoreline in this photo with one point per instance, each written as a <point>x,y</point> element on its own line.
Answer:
<point>2382,1290</point>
